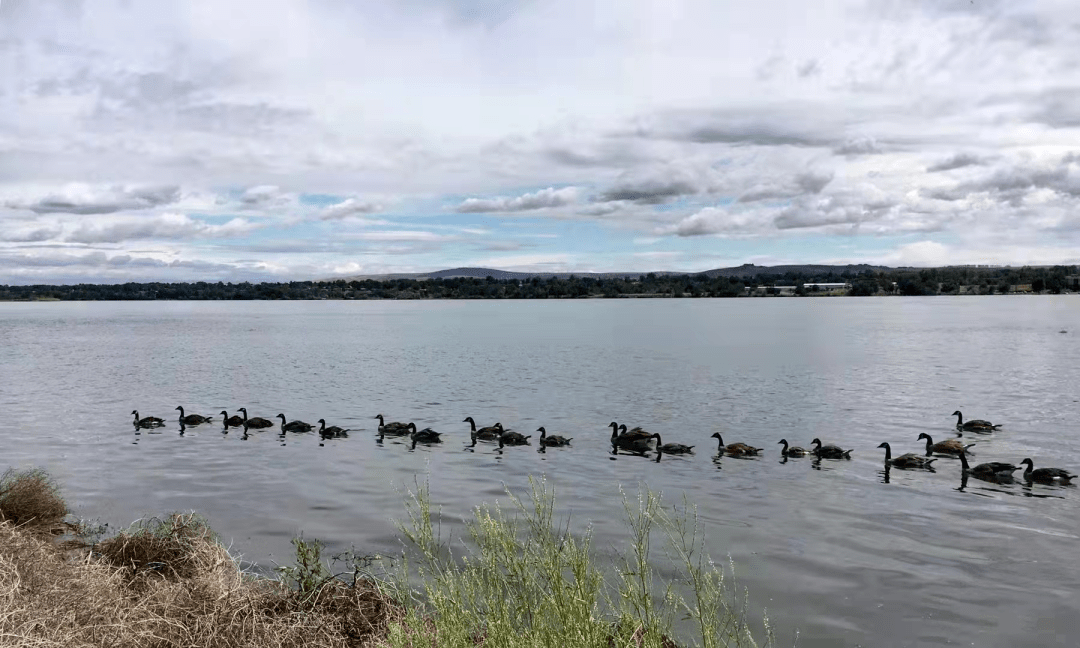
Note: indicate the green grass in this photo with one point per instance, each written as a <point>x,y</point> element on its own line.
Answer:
<point>523,580</point>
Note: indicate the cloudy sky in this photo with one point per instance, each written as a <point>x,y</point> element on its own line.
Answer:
<point>289,139</point>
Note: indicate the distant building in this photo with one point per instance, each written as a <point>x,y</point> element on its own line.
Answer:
<point>825,287</point>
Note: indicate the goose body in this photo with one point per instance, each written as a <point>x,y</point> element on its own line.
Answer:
<point>671,448</point>
<point>509,437</point>
<point>631,442</point>
<point>553,440</point>
<point>231,421</point>
<point>427,435</point>
<point>995,471</point>
<point>948,446</point>
<point>1046,475</point>
<point>255,421</point>
<point>332,431</point>
<point>830,451</point>
<point>636,434</point>
<point>793,451</point>
<point>393,427</point>
<point>735,449</point>
<point>147,422</point>
<point>192,419</point>
<point>489,433</point>
<point>974,425</point>
<point>908,460</point>
<point>294,426</point>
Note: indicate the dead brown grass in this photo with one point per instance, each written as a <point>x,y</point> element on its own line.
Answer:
<point>30,498</point>
<point>169,583</point>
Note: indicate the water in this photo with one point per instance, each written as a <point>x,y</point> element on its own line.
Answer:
<point>829,549</point>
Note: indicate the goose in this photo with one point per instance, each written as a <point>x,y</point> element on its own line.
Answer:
<point>254,421</point>
<point>637,434</point>
<point>1046,475</point>
<point>996,471</point>
<point>830,451</point>
<point>509,437</point>
<point>908,460</point>
<point>489,433</point>
<point>427,435</point>
<point>948,447</point>
<point>735,449</point>
<point>192,419</point>
<point>332,431</point>
<point>553,440</point>
<point>793,451</point>
<point>148,422</point>
<point>394,427</point>
<point>975,425</point>
<point>294,426</point>
<point>671,448</point>
<point>633,443</point>
<point>231,421</point>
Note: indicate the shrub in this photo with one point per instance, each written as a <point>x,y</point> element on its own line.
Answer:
<point>30,498</point>
<point>526,581</point>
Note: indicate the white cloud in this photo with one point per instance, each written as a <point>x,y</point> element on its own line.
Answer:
<point>164,226</point>
<point>543,199</point>
<point>348,208</point>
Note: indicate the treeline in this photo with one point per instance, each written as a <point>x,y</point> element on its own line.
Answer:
<point>929,281</point>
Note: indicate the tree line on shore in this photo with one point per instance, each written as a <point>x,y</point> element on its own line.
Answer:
<point>950,280</point>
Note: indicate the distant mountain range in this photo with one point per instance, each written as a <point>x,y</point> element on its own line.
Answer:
<point>745,270</point>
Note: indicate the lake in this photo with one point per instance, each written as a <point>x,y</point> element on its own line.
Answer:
<point>828,548</point>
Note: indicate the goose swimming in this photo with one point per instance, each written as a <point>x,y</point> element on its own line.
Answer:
<point>948,446</point>
<point>735,449</point>
<point>192,419</point>
<point>830,451</point>
<point>908,460</point>
<point>489,433</point>
<point>1046,475</point>
<point>294,426</point>
<point>974,425</point>
<point>553,441</point>
<point>147,422</point>
<point>255,421</point>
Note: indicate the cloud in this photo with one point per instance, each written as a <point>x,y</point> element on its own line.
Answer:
<point>401,235</point>
<point>163,226</point>
<point>79,198</point>
<point>803,183</point>
<point>859,146</point>
<point>348,208</point>
<point>543,199</point>
<point>654,186</point>
<point>958,161</point>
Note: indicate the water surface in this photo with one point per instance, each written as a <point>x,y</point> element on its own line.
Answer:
<point>828,548</point>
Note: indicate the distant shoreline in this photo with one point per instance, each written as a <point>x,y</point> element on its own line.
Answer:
<point>744,281</point>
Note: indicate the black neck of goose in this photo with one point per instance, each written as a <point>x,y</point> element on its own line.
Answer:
<point>888,453</point>
<point>322,426</point>
<point>929,445</point>
<point>959,419</point>
<point>963,462</point>
<point>472,428</point>
<point>720,442</point>
<point>181,411</point>
<point>784,451</point>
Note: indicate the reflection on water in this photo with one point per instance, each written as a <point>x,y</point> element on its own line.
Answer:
<point>849,552</point>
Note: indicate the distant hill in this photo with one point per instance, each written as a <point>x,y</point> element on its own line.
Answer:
<point>751,270</point>
<point>746,270</point>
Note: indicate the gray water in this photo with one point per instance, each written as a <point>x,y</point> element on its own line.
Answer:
<point>828,548</point>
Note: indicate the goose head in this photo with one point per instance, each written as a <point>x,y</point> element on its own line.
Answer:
<point>817,442</point>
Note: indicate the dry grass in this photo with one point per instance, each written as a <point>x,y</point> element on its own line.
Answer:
<point>168,583</point>
<point>30,499</point>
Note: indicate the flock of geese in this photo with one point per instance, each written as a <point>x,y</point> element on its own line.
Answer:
<point>639,441</point>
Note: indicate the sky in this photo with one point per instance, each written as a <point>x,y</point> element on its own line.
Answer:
<point>275,140</point>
